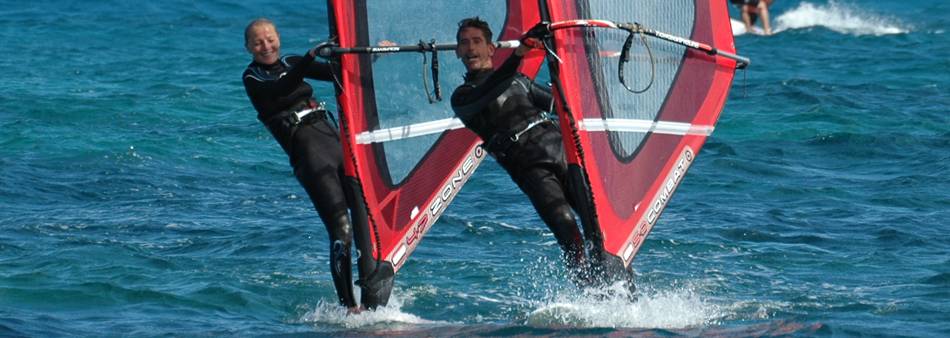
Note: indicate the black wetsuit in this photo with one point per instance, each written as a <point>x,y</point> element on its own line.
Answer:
<point>506,109</point>
<point>753,17</point>
<point>313,146</point>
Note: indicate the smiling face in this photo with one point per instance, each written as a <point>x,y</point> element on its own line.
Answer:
<point>263,42</point>
<point>474,49</point>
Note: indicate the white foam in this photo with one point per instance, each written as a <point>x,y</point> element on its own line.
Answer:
<point>738,28</point>
<point>839,17</point>
<point>390,317</point>
<point>666,309</point>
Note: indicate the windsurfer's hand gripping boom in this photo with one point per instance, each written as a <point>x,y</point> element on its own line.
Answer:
<point>329,51</point>
<point>539,32</point>
<point>321,48</point>
<point>532,39</point>
<point>537,37</point>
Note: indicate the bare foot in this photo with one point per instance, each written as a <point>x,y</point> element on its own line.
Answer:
<point>355,310</point>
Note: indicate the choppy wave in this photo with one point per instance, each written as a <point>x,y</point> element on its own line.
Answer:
<point>613,307</point>
<point>139,196</point>
<point>839,17</point>
<point>390,317</point>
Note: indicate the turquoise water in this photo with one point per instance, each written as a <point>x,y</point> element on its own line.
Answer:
<point>140,197</point>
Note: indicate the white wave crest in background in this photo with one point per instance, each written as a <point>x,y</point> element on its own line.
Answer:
<point>838,17</point>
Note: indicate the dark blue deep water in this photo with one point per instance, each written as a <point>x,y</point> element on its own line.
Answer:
<point>140,197</point>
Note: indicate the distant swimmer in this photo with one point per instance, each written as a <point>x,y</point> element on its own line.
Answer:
<point>285,105</point>
<point>507,111</point>
<point>753,9</point>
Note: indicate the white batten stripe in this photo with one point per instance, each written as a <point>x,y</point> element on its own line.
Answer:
<point>412,130</point>
<point>643,126</point>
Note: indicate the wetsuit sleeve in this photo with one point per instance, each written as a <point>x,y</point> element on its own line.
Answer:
<point>300,65</point>
<point>270,93</point>
<point>253,88</point>
<point>468,94</point>
<point>506,71</point>
<point>322,71</point>
<point>541,96</point>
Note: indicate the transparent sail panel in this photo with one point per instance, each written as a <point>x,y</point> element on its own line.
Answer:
<point>398,78</point>
<point>651,72</point>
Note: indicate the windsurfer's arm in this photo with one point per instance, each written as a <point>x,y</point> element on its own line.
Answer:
<point>267,96</point>
<point>254,87</point>
<point>506,71</point>
<point>262,91</point>
<point>532,38</point>
<point>322,71</point>
<point>541,96</point>
<point>492,86</point>
<point>282,85</point>
<point>510,67</point>
<point>527,44</point>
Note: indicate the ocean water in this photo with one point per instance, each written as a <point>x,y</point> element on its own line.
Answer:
<point>140,197</point>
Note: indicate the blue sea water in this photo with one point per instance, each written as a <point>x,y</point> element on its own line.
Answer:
<point>140,197</point>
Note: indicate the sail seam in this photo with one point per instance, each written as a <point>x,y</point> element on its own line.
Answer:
<point>408,131</point>
<point>643,126</point>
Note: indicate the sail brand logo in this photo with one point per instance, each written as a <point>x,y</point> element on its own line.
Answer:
<point>672,181</point>
<point>383,49</point>
<point>448,191</point>
<point>679,40</point>
<point>659,202</point>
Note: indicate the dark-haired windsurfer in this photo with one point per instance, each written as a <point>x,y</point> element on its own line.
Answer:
<point>508,111</point>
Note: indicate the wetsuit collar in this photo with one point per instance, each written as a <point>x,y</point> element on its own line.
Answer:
<point>272,66</point>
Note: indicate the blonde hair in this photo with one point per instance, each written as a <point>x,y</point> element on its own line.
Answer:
<point>256,23</point>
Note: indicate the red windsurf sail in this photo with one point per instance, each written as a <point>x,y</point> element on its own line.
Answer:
<point>407,157</point>
<point>630,143</point>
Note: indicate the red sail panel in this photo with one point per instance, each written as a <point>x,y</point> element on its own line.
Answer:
<point>635,148</point>
<point>407,183</point>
